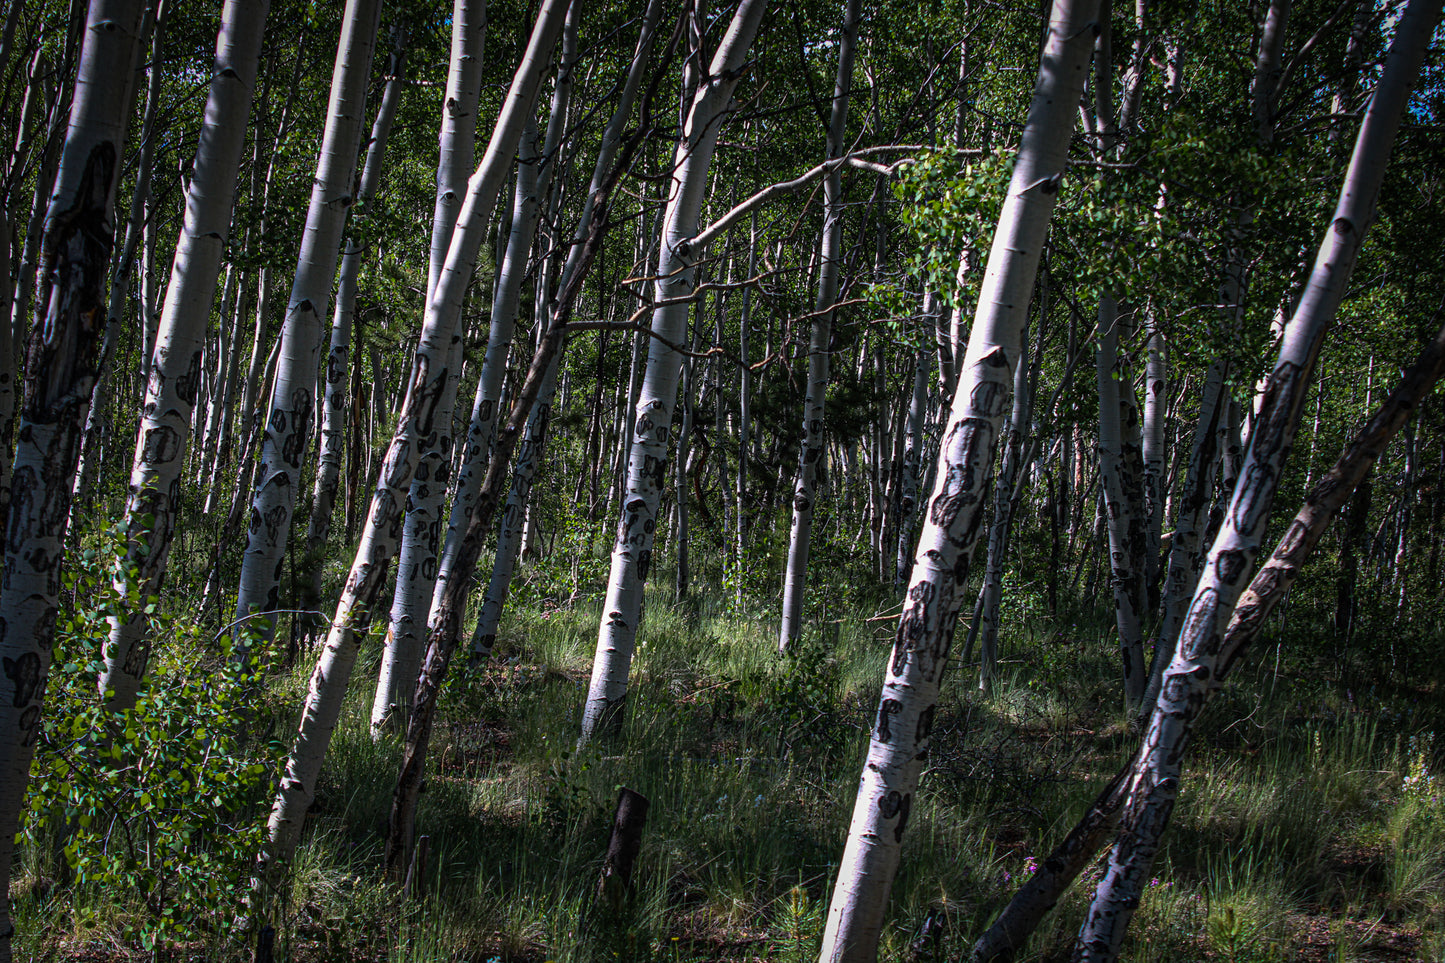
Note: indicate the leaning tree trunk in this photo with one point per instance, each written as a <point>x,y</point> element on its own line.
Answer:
<point>446,620</point>
<point>416,568</point>
<point>647,460</point>
<point>164,433</point>
<point>1007,934</point>
<point>1194,673</point>
<point>904,719</point>
<point>533,442</point>
<point>334,408</point>
<point>1121,468</point>
<point>60,371</point>
<point>795,579</point>
<point>327,688</point>
<point>293,396</point>
<point>488,399</point>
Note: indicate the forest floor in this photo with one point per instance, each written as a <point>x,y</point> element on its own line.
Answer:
<point>1311,826</point>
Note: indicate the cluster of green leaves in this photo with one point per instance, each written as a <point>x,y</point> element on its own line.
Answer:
<point>159,803</point>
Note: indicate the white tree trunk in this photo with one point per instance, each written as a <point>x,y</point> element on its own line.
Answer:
<point>164,432</point>
<point>913,448</point>
<point>900,736</point>
<point>1121,470</point>
<point>1192,509</point>
<point>647,459</point>
<point>63,349</point>
<point>534,439</point>
<point>1194,672</point>
<point>795,579</point>
<point>379,539</point>
<point>287,427</point>
<point>335,379</point>
<point>458,129</point>
<point>416,567</point>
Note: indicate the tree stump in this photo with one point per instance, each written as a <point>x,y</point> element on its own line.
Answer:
<point>615,884</point>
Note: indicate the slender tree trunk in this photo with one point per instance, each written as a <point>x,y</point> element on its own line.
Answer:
<point>334,408</point>
<point>913,450</point>
<point>534,440</point>
<point>647,460</point>
<point>60,372</point>
<point>1120,464</point>
<point>161,442</point>
<point>986,613</point>
<point>417,559</point>
<point>429,374</point>
<point>1190,518</point>
<point>293,398</point>
<point>1270,586</point>
<point>123,267</point>
<point>745,399</point>
<point>1194,673</point>
<point>900,736</point>
<point>795,579</point>
<point>505,303</point>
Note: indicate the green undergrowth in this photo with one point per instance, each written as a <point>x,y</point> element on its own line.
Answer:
<point>1310,825</point>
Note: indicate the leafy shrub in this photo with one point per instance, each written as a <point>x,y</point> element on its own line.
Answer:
<point>157,807</point>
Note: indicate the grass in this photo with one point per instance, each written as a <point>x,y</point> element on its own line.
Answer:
<point>1296,835</point>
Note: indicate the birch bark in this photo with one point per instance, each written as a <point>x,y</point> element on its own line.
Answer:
<point>59,375</point>
<point>164,432</point>
<point>1199,660</point>
<point>647,459</point>
<point>899,741</point>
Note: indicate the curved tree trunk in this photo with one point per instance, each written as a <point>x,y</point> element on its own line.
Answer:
<point>647,460</point>
<point>1192,512</point>
<point>164,433</point>
<point>900,736</point>
<point>60,371</point>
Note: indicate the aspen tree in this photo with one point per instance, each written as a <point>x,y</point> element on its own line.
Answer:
<point>164,432</point>
<point>287,427</point>
<point>534,439</point>
<point>429,374</point>
<point>334,378</point>
<point>900,735</point>
<point>1198,661</point>
<point>795,579</point>
<point>647,459</point>
<point>62,357</point>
